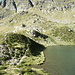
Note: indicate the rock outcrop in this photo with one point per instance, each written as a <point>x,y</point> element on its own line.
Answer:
<point>0,2</point>
<point>37,34</point>
<point>48,5</point>
<point>17,5</point>
<point>9,4</point>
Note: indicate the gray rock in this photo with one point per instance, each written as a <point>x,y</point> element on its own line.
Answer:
<point>17,5</point>
<point>23,12</point>
<point>9,4</point>
<point>37,34</point>
<point>23,25</point>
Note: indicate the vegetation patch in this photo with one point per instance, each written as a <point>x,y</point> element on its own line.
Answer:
<point>34,60</point>
<point>18,46</point>
<point>65,33</point>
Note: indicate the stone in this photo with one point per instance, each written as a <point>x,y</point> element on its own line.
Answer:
<point>23,25</point>
<point>37,34</point>
<point>23,12</point>
<point>70,30</point>
<point>10,20</point>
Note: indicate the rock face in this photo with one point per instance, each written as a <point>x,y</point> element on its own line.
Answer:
<point>3,3</point>
<point>17,5</point>
<point>37,34</point>
<point>48,5</point>
<point>24,5</point>
<point>9,4</point>
<point>0,2</point>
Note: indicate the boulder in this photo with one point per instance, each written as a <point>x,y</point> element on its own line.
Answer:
<point>37,34</point>
<point>23,25</point>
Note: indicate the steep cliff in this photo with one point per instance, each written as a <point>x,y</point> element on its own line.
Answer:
<point>9,4</point>
<point>45,5</point>
<point>17,5</point>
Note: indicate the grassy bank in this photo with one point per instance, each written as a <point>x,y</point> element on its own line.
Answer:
<point>23,68</point>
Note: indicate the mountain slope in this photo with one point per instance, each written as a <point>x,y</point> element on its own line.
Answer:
<point>45,17</point>
<point>42,22</point>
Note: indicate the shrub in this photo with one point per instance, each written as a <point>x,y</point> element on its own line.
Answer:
<point>12,37</point>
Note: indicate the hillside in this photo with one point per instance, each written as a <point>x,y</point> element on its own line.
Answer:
<point>32,25</point>
<point>47,18</point>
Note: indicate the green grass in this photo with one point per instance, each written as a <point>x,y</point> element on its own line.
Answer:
<point>64,33</point>
<point>33,60</point>
<point>55,24</point>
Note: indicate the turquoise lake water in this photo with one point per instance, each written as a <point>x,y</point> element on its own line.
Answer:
<point>60,60</point>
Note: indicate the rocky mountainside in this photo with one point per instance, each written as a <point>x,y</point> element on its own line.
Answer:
<point>17,5</point>
<point>32,25</point>
<point>20,5</point>
<point>43,16</point>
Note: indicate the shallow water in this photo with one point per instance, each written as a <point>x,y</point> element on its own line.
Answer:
<point>60,60</point>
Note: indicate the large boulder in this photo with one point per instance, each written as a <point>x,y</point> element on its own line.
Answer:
<point>38,34</point>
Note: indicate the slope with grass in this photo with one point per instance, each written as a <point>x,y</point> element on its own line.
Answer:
<point>47,23</point>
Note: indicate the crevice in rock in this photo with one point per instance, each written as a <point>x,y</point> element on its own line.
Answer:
<point>0,2</point>
<point>15,5</point>
<point>31,3</point>
<point>3,3</point>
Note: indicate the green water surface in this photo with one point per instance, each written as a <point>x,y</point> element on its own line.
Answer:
<point>60,60</point>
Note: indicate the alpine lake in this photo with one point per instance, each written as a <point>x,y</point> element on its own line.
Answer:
<point>60,60</point>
